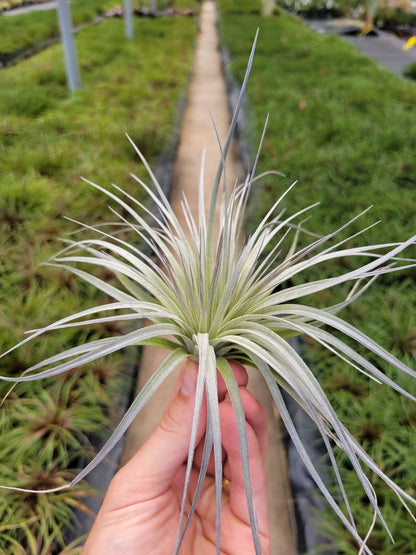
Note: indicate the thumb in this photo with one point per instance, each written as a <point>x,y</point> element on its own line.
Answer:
<point>155,465</point>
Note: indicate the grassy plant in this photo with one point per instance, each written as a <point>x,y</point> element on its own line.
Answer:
<point>245,6</point>
<point>28,30</point>
<point>324,143</point>
<point>20,515</point>
<point>220,299</point>
<point>23,31</point>
<point>48,139</point>
<point>410,71</point>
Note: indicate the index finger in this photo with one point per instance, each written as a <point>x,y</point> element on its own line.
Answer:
<point>234,468</point>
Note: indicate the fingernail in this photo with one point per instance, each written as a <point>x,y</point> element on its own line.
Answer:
<point>188,381</point>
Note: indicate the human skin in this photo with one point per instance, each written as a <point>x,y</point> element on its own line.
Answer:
<point>141,509</point>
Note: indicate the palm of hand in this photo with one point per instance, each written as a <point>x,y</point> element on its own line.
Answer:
<point>150,525</point>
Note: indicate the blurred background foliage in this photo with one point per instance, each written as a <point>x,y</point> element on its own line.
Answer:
<point>345,130</point>
<point>49,139</point>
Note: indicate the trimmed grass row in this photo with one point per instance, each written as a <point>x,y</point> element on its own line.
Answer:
<point>24,31</point>
<point>49,139</point>
<point>346,130</point>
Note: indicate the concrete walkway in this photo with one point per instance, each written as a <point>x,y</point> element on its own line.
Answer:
<point>208,95</point>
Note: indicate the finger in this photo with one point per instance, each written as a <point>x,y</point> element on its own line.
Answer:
<point>211,463</point>
<point>256,416</point>
<point>240,375</point>
<point>153,468</point>
<point>230,441</point>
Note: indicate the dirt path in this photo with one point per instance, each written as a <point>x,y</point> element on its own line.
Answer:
<point>208,95</point>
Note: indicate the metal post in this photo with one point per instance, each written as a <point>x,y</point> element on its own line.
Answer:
<point>71,61</point>
<point>128,19</point>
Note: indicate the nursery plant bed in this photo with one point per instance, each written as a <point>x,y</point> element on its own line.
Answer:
<point>33,30</point>
<point>50,139</point>
<point>335,121</point>
<point>27,33</point>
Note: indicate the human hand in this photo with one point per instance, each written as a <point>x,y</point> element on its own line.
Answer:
<point>141,509</point>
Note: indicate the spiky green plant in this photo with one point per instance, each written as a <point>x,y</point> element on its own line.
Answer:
<point>214,297</point>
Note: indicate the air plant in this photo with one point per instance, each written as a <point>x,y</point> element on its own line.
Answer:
<point>212,296</point>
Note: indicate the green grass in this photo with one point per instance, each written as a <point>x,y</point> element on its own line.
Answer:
<point>337,124</point>
<point>24,31</point>
<point>49,139</point>
<point>346,130</point>
<point>242,7</point>
<point>410,71</point>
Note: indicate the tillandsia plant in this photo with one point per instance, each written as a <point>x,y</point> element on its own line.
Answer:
<point>213,297</point>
